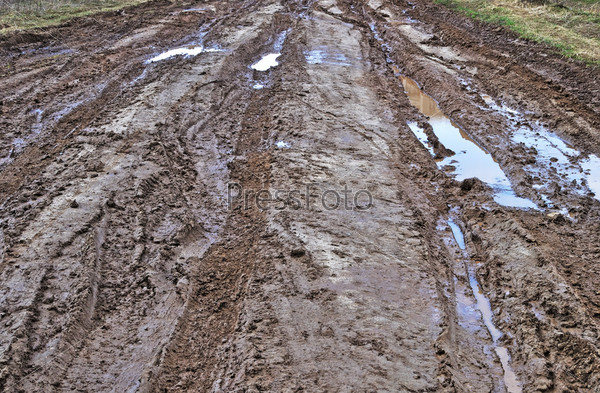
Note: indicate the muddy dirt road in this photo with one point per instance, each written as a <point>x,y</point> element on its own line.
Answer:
<point>429,218</point>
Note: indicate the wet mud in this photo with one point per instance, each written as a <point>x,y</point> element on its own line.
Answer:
<point>127,264</point>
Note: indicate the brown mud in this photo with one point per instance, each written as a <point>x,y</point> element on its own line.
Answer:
<point>125,268</point>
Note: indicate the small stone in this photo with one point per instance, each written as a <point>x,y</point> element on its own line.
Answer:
<point>74,204</point>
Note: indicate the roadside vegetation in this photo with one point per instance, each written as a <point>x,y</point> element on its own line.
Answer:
<point>573,26</point>
<point>27,14</point>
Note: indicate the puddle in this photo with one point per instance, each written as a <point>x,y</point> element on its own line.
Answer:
<point>56,117</point>
<point>581,174</point>
<point>37,127</point>
<point>505,110</point>
<point>268,61</point>
<point>280,40</point>
<point>470,159</point>
<point>457,233</point>
<point>591,168</point>
<point>203,9</point>
<point>510,378</point>
<point>18,144</point>
<point>385,47</point>
<point>539,315</point>
<point>186,51</point>
<point>139,77</point>
<point>483,305</point>
<point>322,55</point>
<point>283,145</point>
<point>468,314</point>
<point>421,136</point>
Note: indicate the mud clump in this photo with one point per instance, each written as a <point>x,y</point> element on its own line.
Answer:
<point>439,149</point>
<point>472,183</point>
<point>297,253</point>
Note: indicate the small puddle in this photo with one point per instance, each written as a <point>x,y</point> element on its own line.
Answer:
<point>187,51</point>
<point>139,77</point>
<point>468,314</point>
<point>37,127</point>
<point>591,169</point>
<point>18,144</point>
<point>470,159</point>
<point>322,55</point>
<point>483,305</point>
<point>268,61</point>
<point>457,233</point>
<point>384,46</point>
<point>283,145</point>
<point>421,136</point>
<point>552,153</point>
<point>202,9</point>
<point>280,40</point>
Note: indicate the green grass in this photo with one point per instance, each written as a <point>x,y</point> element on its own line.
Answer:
<point>28,14</point>
<point>572,26</point>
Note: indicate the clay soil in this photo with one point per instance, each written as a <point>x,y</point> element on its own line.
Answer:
<point>125,266</point>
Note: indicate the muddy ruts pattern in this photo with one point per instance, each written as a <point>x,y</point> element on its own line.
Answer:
<point>122,268</point>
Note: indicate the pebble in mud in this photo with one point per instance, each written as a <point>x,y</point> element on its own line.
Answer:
<point>74,204</point>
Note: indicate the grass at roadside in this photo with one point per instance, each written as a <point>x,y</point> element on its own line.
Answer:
<point>27,14</point>
<point>573,26</point>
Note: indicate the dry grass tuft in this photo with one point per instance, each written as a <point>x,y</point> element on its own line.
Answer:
<point>28,14</point>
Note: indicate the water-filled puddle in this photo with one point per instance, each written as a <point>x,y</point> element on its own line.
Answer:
<point>202,9</point>
<point>591,169</point>
<point>483,305</point>
<point>270,60</point>
<point>266,62</point>
<point>553,153</point>
<point>421,136</point>
<point>322,55</point>
<point>283,145</point>
<point>457,233</point>
<point>187,51</point>
<point>469,160</point>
